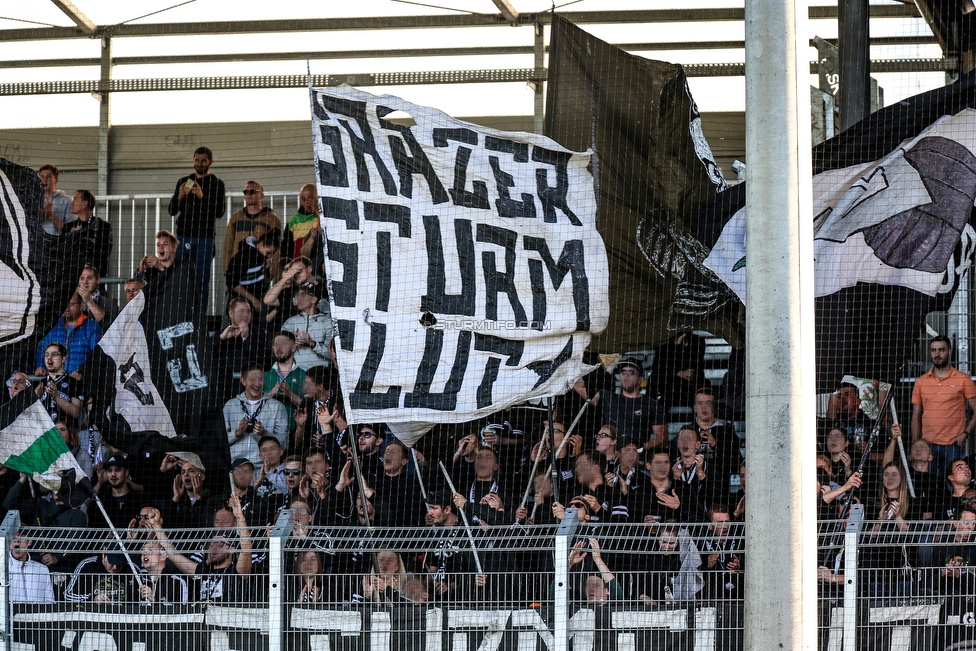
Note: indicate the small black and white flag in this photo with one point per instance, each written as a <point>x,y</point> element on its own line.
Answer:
<point>136,397</point>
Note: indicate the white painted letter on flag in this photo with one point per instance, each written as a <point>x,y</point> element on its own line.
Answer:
<point>466,273</point>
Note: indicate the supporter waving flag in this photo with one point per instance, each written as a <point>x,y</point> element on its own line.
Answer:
<point>176,335</point>
<point>30,443</point>
<point>870,394</point>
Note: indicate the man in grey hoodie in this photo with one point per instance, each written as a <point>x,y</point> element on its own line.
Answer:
<point>252,415</point>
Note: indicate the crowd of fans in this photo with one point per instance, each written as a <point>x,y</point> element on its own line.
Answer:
<point>289,446</point>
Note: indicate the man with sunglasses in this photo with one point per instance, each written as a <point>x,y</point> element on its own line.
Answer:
<point>294,475</point>
<point>197,202</point>
<point>634,414</point>
<point>253,220</point>
<point>370,438</point>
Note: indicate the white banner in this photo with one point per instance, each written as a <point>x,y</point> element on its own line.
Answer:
<point>466,274</point>
<point>136,398</point>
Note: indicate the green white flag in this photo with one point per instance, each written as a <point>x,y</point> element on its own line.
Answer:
<point>30,443</point>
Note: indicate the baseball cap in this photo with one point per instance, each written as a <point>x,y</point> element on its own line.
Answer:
<point>440,498</point>
<point>117,460</point>
<point>115,555</point>
<point>633,363</point>
<point>117,559</point>
<point>189,457</point>
<point>241,461</point>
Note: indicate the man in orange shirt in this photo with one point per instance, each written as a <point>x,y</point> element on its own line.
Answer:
<point>939,403</point>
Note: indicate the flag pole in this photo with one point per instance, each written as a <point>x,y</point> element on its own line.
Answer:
<point>867,451</point>
<point>118,539</point>
<point>562,446</point>
<point>353,447</point>
<point>464,518</point>
<point>420,480</point>
<point>353,441</point>
<point>535,466</point>
<point>559,450</point>
<point>552,446</point>
<point>37,510</point>
<point>901,449</point>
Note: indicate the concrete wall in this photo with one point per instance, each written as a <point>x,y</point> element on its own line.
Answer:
<point>147,159</point>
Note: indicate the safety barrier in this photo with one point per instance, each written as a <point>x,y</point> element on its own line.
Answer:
<point>884,585</point>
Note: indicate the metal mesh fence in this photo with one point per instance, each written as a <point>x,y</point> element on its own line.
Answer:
<point>390,379</point>
<point>883,584</point>
<point>538,587</point>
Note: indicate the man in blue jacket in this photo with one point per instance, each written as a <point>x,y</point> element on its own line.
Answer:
<point>77,332</point>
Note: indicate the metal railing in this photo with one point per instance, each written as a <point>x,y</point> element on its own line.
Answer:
<point>883,585</point>
<point>136,218</point>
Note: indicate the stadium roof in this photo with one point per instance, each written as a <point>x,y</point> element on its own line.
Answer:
<point>469,57</point>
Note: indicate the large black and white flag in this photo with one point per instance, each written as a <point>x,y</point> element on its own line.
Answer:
<point>466,273</point>
<point>892,221</point>
<point>136,397</point>
<point>893,231</point>
<point>20,300</point>
<point>654,168</point>
<point>38,273</point>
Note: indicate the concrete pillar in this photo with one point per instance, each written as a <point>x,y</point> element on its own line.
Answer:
<point>780,548</point>
<point>104,118</point>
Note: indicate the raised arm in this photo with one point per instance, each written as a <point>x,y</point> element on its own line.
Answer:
<point>244,555</point>
<point>182,563</point>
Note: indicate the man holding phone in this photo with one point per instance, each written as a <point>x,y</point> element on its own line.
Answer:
<point>198,201</point>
